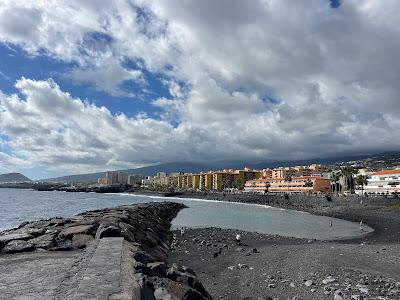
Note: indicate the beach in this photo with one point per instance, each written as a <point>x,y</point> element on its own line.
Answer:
<point>275,267</point>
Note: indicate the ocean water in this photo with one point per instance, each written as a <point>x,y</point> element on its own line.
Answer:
<point>17,206</point>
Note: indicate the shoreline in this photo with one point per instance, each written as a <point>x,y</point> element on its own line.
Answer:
<point>374,211</point>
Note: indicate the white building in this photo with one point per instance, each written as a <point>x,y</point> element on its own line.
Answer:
<point>383,182</point>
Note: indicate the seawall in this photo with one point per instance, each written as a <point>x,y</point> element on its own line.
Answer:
<point>114,253</point>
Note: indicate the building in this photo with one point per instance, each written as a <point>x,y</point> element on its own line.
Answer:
<point>302,184</point>
<point>135,180</point>
<point>102,181</point>
<point>383,182</point>
<point>114,177</point>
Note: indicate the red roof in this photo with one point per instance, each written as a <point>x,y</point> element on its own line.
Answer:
<point>300,177</point>
<point>386,172</point>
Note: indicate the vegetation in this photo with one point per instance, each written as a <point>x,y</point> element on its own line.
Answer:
<point>267,186</point>
<point>361,180</point>
<point>335,177</point>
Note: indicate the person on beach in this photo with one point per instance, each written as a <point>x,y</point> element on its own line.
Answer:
<point>361,225</point>
<point>182,231</point>
<point>330,223</point>
<point>237,238</point>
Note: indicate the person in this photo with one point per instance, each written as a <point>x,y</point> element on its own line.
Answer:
<point>238,237</point>
<point>330,224</point>
<point>182,231</point>
<point>361,225</point>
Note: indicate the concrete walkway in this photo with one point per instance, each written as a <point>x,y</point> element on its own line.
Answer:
<point>102,276</point>
<point>91,274</point>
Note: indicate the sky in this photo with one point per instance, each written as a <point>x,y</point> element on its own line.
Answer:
<point>89,85</point>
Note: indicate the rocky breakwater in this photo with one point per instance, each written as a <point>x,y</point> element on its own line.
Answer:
<point>144,232</point>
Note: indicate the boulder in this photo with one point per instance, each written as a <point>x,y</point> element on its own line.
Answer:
<point>127,231</point>
<point>16,246</point>
<point>162,293</point>
<point>5,239</point>
<point>187,277</point>
<point>45,241</point>
<point>106,230</point>
<point>62,245</point>
<point>158,269</point>
<point>81,241</point>
<point>143,257</point>
<point>70,231</point>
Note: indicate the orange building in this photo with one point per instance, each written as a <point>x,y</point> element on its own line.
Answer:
<point>302,184</point>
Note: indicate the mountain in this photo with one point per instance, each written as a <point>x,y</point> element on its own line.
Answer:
<point>145,171</point>
<point>198,167</point>
<point>13,177</point>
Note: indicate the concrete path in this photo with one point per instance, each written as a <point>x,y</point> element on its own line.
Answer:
<point>91,274</point>
<point>101,278</point>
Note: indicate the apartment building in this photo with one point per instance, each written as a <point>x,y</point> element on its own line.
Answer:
<point>114,177</point>
<point>383,182</point>
<point>301,184</point>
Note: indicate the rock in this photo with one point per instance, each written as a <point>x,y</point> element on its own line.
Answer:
<point>45,241</point>
<point>239,249</point>
<point>338,297</point>
<point>62,245</point>
<point>188,277</point>
<point>143,257</point>
<point>242,266</point>
<point>271,286</point>
<point>158,269</point>
<point>308,283</point>
<point>169,288</point>
<point>127,232</point>
<point>292,285</point>
<point>215,254</point>
<point>355,297</point>
<point>70,231</point>
<point>296,298</point>
<point>107,231</point>
<point>16,246</point>
<point>163,294</point>
<point>5,239</point>
<point>328,279</point>
<point>81,241</point>
<point>364,290</point>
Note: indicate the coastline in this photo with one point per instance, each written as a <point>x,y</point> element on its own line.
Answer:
<point>374,211</point>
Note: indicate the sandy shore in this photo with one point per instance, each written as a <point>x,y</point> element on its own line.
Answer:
<point>286,268</point>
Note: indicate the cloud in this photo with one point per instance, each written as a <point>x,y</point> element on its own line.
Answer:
<point>112,75</point>
<point>270,80</point>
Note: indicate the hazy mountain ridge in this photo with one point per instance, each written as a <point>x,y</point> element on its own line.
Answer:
<point>13,177</point>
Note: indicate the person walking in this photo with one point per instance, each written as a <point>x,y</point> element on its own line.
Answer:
<point>238,239</point>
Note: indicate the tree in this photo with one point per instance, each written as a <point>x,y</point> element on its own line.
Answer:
<point>308,183</point>
<point>335,177</point>
<point>267,186</point>
<point>288,178</point>
<point>347,173</point>
<point>361,180</point>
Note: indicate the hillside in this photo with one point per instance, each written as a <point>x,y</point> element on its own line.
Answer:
<point>13,177</point>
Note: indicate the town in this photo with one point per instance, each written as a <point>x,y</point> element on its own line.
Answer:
<point>314,178</point>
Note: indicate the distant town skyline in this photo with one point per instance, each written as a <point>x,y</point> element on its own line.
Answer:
<point>91,86</point>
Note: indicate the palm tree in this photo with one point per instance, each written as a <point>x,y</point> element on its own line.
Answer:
<point>361,180</point>
<point>347,173</point>
<point>308,183</point>
<point>267,186</point>
<point>335,177</point>
<point>288,178</point>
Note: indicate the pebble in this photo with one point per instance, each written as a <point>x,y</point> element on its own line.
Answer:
<point>308,283</point>
<point>328,279</point>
